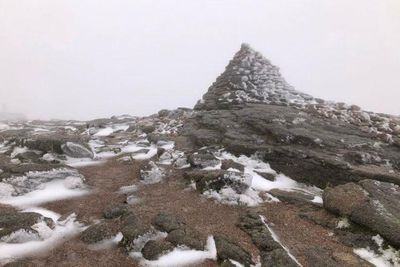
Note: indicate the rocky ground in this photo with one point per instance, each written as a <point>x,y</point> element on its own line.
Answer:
<point>257,174</point>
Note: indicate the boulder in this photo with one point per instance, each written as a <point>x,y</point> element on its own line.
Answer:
<point>96,233</point>
<point>151,173</point>
<point>75,150</point>
<point>167,222</point>
<point>228,249</point>
<point>12,221</point>
<point>154,249</point>
<point>187,237</point>
<point>203,160</point>
<point>277,258</point>
<point>219,179</point>
<point>115,210</point>
<point>369,203</point>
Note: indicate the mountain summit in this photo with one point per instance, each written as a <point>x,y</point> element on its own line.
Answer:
<point>251,78</point>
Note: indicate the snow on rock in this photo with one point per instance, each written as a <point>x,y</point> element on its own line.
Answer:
<point>76,150</point>
<point>184,257</point>
<point>384,257</point>
<point>152,174</point>
<point>109,130</point>
<point>276,238</point>
<point>254,167</point>
<point>40,187</point>
<point>50,238</point>
<point>107,243</point>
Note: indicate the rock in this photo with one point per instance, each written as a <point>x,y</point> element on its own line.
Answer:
<point>218,179</point>
<point>272,253</point>
<point>294,197</point>
<point>154,249</point>
<point>20,263</point>
<point>369,203</point>
<point>147,127</point>
<point>267,175</point>
<point>95,233</point>
<point>180,163</point>
<point>13,221</point>
<point>132,229</point>
<point>251,109</point>
<point>228,263</point>
<point>187,237</point>
<point>230,164</point>
<point>151,174</point>
<point>228,249</point>
<point>167,222</point>
<point>164,113</point>
<point>114,211</point>
<point>160,151</point>
<point>30,156</point>
<point>277,258</point>
<point>203,160</point>
<point>76,150</point>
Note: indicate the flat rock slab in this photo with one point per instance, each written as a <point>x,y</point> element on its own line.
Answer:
<point>370,203</point>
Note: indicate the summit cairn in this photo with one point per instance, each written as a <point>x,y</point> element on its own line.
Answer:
<point>251,78</point>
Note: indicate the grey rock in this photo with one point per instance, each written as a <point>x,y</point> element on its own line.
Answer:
<point>228,249</point>
<point>167,222</point>
<point>154,249</point>
<point>76,150</point>
<point>202,160</point>
<point>12,221</point>
<point>115,210</point>
<point>277,258</point>
<point>186,236</point>
<point>95,233</point>
<point>228,164</point>
<point>369,203</point>
<point>218,179</point>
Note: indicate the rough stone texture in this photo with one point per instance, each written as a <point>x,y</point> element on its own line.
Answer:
<point>153,249</point>
<point>250,108</point>
<point>115,210</point>
<point>76,150</point>
<point>218,179</point>
<point>313,150</point>
<point>167,222</point>
<point>277,258</point>
<point>188,237</point>
<point>132,231</point>
<point>95,233</point>
<point>228,249</point>
<point>370,203</point>
<point>11,221</point>
<point>203,160</point>
<point>271,252</point>
<point>230,164</point>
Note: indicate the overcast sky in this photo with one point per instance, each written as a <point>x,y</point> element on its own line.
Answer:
<point>92,58</point>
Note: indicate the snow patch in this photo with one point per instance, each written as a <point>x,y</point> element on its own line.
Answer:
<point>184,257</point>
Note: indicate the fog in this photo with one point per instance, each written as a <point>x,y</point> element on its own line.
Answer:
<point>82,59</point>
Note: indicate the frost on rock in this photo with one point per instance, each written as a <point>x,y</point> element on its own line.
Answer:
<point>152,174</point>
<point>34,180</point>
<point>76,150</point>
<point>44,239</point>
<point>182,256</point>
<point>383,257</point>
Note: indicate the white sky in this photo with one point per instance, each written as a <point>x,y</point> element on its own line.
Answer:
<point>94,58</point>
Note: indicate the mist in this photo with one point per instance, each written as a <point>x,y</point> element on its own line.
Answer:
<point>83,59</point>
